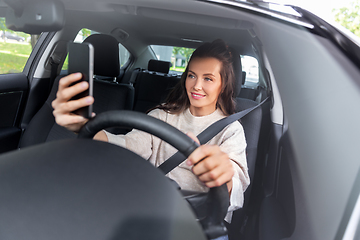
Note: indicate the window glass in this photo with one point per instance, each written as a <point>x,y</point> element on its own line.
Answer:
<point>15,49</point>
<point>178,56</point>
<point>124,54</point>
<point>250,65</point>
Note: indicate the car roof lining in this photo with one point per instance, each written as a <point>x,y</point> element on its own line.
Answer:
<point>145,25</point>
<point>145,22</point>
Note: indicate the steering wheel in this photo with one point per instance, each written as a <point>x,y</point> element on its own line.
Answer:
<point>210,207</point>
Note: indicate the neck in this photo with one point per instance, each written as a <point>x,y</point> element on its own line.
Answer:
<point>200,112</point>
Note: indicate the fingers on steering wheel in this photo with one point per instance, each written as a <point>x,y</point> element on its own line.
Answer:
<point>193,137</point>
<point>220,180</point>
<point>202,152</point>
<point>211,165</point>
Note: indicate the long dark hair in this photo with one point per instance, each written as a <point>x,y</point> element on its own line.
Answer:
<point>178,100</point>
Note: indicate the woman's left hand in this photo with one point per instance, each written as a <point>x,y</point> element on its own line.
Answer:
<point>212,166</point>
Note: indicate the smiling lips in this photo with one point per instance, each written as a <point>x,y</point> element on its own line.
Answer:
<point>197,96</point>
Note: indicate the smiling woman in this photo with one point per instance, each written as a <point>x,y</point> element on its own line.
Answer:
<point>210,59</point>
<point>203,85</point>
<point>301,145</point>
<point>203,96</point>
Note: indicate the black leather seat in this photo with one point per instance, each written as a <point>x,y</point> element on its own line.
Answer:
<point>252,126</point>
<point>152,85</point>
<point>108,94</point>
<point>252,121</point>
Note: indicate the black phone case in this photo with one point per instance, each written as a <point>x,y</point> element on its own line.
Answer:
<point>81,59</point>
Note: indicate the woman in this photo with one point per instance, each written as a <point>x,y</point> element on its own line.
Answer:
<point>203,96</point>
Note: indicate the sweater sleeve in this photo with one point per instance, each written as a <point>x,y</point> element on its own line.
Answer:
<point>234,144</point>
<point>137,141</point>
<point>131,142</point>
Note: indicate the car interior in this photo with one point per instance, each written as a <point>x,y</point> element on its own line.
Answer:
<point>281,194</point>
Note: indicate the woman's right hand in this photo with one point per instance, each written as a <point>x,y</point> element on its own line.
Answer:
<point>63,106</point>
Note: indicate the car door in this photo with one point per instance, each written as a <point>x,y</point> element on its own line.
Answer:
<point>21,95</point>
<point>13,93</point>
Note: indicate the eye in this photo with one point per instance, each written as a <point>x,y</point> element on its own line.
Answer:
<point>208,79</point>
<point>190,75</point>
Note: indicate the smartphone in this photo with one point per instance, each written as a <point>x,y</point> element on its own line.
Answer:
<point>81,59</point>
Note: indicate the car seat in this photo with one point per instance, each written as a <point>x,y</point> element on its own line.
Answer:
<point>152,85</point>
<point>252,125</point>
<point>108,94</point>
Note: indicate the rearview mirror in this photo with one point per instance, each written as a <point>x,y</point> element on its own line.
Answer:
<point>35,16</point>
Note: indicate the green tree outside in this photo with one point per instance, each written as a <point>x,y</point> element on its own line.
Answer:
<point>13,54</point>
<point>3,27</point>
<point>85,32</point>
<point>349,17</point>
<point>185,52</point>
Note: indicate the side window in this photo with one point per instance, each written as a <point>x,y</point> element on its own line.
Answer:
<point>124,54</point>
<point>15,49</point>
<point>250,65</point>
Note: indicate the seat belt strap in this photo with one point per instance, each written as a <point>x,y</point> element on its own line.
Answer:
<point>206,136</point>
<point>133,76</point>
<point>53,73</point>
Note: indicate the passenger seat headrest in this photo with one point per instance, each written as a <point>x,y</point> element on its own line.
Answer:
<point>106,55</point>
<point>237,71</point>
<point>159,66</point>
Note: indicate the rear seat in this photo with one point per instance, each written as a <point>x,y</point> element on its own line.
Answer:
<point>152,85</point>
<point>253,93</point>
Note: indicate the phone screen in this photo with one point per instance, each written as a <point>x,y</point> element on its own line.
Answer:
<point>81,59</point>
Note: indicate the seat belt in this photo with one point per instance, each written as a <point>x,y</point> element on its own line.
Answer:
<point>133,76</point>
<point>206,136</point>
<point>54,67</point>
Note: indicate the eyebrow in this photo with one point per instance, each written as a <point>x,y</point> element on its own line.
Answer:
<point>206,74</point>
<point>209,74</point>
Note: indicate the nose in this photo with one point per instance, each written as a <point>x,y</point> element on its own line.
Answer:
<point>198,84</point>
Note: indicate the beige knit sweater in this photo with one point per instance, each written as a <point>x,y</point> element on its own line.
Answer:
<point>231,140</point>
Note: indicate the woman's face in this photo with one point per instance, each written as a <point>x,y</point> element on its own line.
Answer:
<point>203,85</point>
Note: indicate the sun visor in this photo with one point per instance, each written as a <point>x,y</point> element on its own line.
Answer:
<point>35,16</point>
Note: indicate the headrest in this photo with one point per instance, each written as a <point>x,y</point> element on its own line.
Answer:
<point>106,55</point>
<point>237,71</point>
<point>159,66</point>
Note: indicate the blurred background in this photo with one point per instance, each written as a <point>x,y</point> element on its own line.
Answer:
<point>15,47</point>
<point>343,12</point>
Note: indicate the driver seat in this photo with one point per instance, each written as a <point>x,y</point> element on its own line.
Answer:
<point>109,95</point>
<point>252,126</point>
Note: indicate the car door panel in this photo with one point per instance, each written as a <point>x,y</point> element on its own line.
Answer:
<point>13,93</point>
<point>277,210</point>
